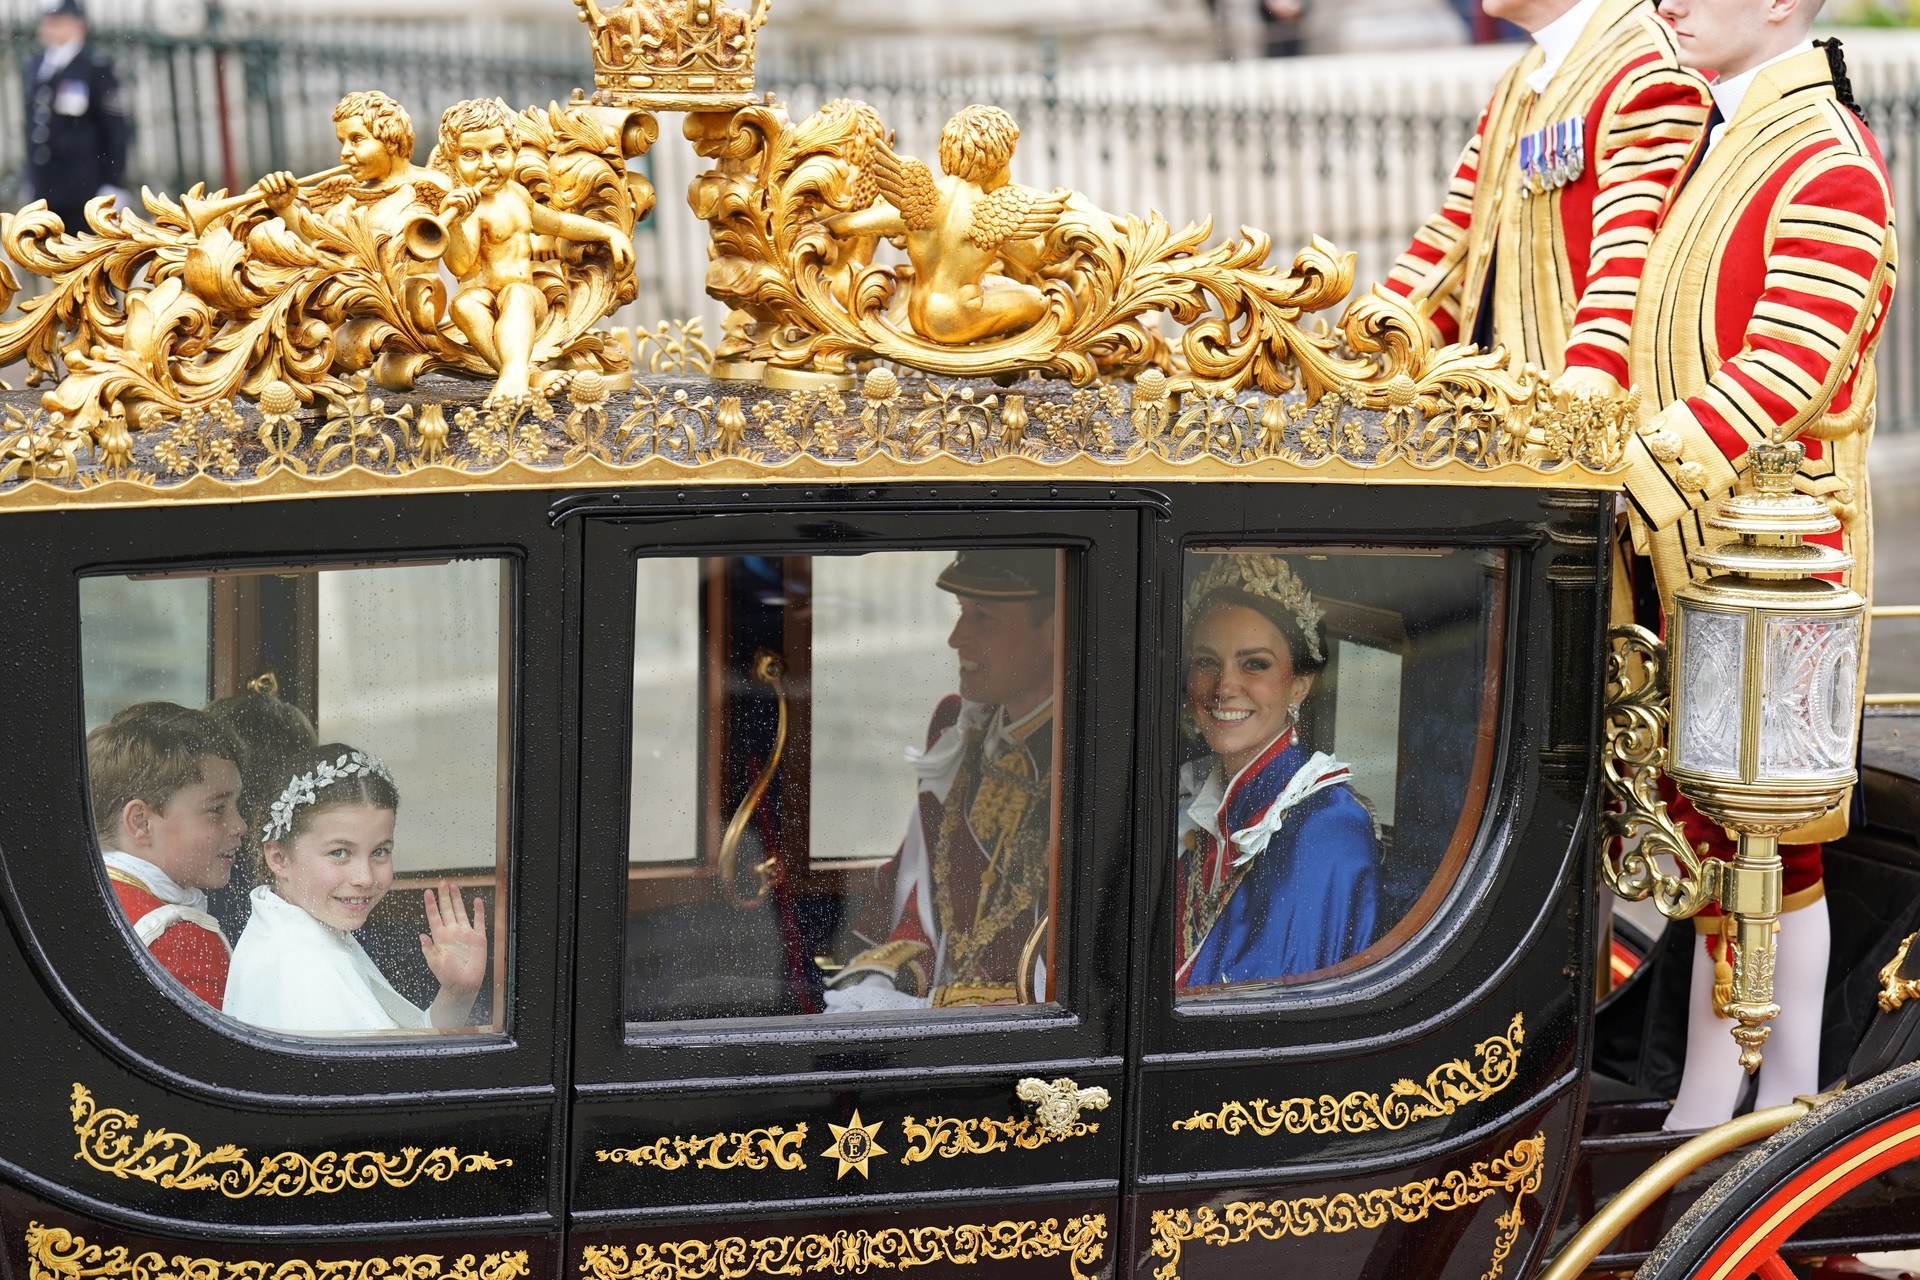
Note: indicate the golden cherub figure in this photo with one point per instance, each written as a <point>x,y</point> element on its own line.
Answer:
<point>384,185</point>
<point>491,220</point>
<point>959,228</point>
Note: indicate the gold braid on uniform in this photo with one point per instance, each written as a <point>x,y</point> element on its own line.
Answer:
<point>1009,884</point>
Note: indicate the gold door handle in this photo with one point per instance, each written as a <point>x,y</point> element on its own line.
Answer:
<point>1057,1104</point>
<point>771,670</point>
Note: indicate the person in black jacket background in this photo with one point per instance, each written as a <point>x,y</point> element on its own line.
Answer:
<point>77,123</point>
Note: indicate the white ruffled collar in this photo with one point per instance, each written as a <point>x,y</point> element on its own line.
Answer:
<point>938,765</point>
<point>1208,805</point>
<point>157,882</point>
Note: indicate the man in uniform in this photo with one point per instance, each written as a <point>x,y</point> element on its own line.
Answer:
<point>1769,278</point>
<point>1538,246</point>
<point>77,125</point>
<point>972,886</point>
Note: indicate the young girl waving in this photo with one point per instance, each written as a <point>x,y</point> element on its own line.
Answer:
<point>327,847</point>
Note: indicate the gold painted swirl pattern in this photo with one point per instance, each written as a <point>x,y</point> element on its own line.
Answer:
<point>112,1141</point>
<point>1496,1063</point>
<point>1516,1173</point>
<point>1081,1241</point>
<point>775,1147</point>
<point>947,1136</point>
<point>54,1253</point>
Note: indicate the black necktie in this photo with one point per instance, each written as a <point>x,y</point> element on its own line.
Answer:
<point>1715,118</point>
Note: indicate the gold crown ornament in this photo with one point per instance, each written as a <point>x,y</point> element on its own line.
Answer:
<point>673,55</point>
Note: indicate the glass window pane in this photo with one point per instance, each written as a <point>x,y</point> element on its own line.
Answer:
<point>1337,709</point>
<point>258,844</point>
<point>874,795</point>
<point>148,640</point>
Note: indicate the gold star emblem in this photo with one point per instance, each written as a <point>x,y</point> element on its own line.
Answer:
<point>853,1145</point>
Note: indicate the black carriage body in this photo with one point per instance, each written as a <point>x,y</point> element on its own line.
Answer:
<point>1418,1116</point>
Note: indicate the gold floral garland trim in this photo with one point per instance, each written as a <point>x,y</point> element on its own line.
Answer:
<point>774,1147</point>
<point>112,1142</point>
<point>1081,1240</point>
<point>1448,1087</point>
<point>54,1253</point>
<point>1517,1173</point>
<point>948,1136</point>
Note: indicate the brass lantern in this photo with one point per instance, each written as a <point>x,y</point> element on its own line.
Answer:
<point>1766,669</point>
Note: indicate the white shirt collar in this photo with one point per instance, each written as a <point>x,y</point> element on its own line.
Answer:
<point>1557,39</point>
<point>1729,93</point>
<point>57,57</point>
<point>157,882</point>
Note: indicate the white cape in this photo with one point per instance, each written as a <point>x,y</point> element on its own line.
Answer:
<point>292,973</point>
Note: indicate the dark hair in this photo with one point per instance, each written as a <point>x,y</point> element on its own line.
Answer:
<point>359,788</point>
<point>1837,67</point>
<point>1299,651</point>
<point>149,752</point>
<point>268,730</point>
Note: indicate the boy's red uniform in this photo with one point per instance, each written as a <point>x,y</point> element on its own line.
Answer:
<point>187,943</point>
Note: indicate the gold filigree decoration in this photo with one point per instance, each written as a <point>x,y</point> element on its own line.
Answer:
<point>1447,1088</point>
<point>1636,829</point>
<point>775,1147</point>
<point>946,1137</point>
<point>54,1253</point>
<point>1082,1241</point>
<point>212,297</point>
<point>1517,1173</point>
<point>1894,989</point>
<point>112,1141</point>
<point>672,346</point>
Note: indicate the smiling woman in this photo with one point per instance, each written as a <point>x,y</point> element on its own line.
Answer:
<point>1322,812</point>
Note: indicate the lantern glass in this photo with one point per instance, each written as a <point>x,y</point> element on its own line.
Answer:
<point>1807,705</point>
<point>1712,690</point>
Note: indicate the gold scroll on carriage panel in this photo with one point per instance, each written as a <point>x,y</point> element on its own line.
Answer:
<point>831,248</point>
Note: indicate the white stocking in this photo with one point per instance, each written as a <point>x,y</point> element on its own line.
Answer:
<point>1792,1065</point>
<point>1712,1079</point>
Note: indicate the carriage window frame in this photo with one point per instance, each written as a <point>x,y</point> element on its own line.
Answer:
<point>499,1034</point>
<point>1060,1010</point>
<point>1409,945</point>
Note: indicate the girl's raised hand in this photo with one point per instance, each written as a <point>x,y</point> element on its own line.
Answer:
<point>456,947</point>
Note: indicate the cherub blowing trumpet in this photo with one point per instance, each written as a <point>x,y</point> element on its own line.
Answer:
<point>960,227</point>
<point>490,220</point>
<point>376,151</point>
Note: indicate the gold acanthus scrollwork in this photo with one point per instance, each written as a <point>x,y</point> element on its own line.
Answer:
<point>774,1147</point>
<point>112,1141</point>
<point>1081,1241</point>
<point>1495,1065</point>
<point>54,1253</point>
<point>1635,829</point>
<point>946,1137</point>
<point>1516,1173</point>
<point>1894,989</point>
<point>205,299</point>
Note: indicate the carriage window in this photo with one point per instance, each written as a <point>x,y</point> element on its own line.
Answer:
<point>298,787</point>
<point>845,783</point>
<point>1336,734</point>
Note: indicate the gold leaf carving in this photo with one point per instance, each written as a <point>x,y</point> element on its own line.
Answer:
<point>1516,1173</point>
<point>947,1136</point>
<point>1081,1241</point>
<point>54,1253</point>
<point>775,1147</point>
<point>1495,1064</point>
<point>112,1141</point>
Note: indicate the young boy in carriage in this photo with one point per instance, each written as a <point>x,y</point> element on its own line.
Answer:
<point>165,785</point>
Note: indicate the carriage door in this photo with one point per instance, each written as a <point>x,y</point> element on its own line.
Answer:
<point>852,884</point>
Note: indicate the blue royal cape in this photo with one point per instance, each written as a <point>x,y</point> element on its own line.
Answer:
<point>1297,887</point>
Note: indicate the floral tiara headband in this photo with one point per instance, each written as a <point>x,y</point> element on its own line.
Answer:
<point>305,788</point>
<point>1266,576</point>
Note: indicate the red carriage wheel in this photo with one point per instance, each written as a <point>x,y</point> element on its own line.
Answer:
<point>1739,1227</point>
